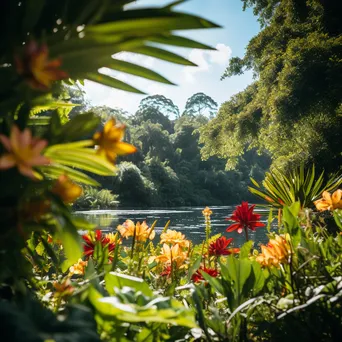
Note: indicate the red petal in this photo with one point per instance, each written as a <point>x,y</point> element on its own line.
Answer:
<point>233,227</point>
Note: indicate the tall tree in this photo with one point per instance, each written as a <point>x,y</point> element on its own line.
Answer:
<point>294,108</point>
<point>200,104</point>
<point>160,102</point>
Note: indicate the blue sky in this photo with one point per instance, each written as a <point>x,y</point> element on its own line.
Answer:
<point>231,40</point>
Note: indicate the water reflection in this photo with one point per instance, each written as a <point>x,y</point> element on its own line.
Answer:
<point>188,220</point>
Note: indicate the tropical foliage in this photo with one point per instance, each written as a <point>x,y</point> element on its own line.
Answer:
<point>299,185</point>
<point>61,279</point>
<point>293,109</point>
<point>168,154</point>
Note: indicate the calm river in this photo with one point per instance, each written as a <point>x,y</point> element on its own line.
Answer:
<point>188,220</point>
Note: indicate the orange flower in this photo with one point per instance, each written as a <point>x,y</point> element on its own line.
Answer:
<point>66,189</point>
<point>142,232</point>
<point>276,252</point>
<point>78,268</point>
<point>24,151</point>
<point>110,142</point>
<point>207,212</point>
<point>329,202</point>
<point>173,237</point>
<point>63,289</point>
<point>173,254</point>
<point>35,67</point>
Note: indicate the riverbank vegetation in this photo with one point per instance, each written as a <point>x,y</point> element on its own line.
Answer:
<point>62,279</point>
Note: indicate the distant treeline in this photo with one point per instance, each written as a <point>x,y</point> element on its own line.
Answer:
<point>168,170</point>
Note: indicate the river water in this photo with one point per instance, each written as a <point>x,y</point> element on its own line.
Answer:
<point>188,220</point>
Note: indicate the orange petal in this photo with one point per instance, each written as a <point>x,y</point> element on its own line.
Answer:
<point>26,171</point>
<point>7,161</point>
<point>326,195</point>
<point>336,196</point>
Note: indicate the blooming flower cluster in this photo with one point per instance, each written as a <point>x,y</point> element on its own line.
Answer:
<point>106,240</point>
<point>329,202</point>
<point>173,237</point>
<point>141,231</point>
<point>276,252</point>
<point>78,268</point>
<point>172,256</point>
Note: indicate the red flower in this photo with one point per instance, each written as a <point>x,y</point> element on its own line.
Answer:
<point>220,247</point>
<point>197,277</point>
<point>245,219</point>
<point>91,239</point>
<point>166,272</point>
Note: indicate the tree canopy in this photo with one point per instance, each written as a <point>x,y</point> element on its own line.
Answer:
<point>293,109</point>
<point>167,169</point>
<point>199,104</point>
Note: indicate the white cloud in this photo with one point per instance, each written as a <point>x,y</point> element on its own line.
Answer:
<point>222,55</point>
<point>205,60</point>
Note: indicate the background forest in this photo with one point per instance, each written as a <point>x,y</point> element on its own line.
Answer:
<point>168,169</point>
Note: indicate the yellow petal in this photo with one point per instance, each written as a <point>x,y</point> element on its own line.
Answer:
<point>121,148</point>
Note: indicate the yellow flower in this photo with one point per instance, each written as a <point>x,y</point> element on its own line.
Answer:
<point>275,253</point>
<point>142,231</point>
<point>37,69</point>
<point>23,151</point>
<point>66,189</point>
<point>329,202</point>
<point>173,254</point>
<point>110,142</point>
<point>207,212</point>
<point>173,237</point>
<point>78,268</point>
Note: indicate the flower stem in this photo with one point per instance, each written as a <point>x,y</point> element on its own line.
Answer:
<point>246,232</point>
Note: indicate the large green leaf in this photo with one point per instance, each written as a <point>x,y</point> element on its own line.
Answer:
<point>118,280</point>
<point>112,82</point>
<point>174,40</point>
<point>136,70</point>
<point>145,25</point>
<point>54,171</point>
<point>162,54</point>
<point>82,158</point>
